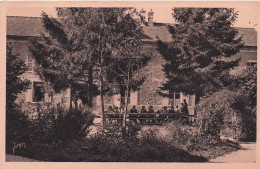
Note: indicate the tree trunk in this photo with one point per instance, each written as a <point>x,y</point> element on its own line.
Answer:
<point>101,91</point>
<point>101,74</point>
<point>126,96</point>
<point>126,108</point>
<point>90,88</point>
<point>70,98</point>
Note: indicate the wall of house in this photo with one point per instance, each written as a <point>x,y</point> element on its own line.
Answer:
<point>20,46</point>
<point>148,93</point>
<point>20,27</point>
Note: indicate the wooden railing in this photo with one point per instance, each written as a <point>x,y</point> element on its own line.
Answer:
<point>148,118</point>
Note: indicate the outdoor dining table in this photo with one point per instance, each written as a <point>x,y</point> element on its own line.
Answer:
<point>155,117</point>
<point>113,115</point>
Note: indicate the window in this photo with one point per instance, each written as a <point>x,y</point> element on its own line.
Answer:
<point>171,97</point>
<point>29,63</point>
<point>177,100</point>
<point>38,93</point>
<point>122,93</point>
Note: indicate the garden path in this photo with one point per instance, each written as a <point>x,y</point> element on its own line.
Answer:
<point>14,158</point>
<point>246,155</point>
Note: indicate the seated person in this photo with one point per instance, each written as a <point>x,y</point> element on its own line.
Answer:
<point>163,114</point>
<point>159,115</point>
<point>133,110</point>
<point>143,110</point>
<point>164,110</point>
<point>116,110</point>
<point>171,109</point>
<point>110,110</point>
<point>151,110</point>
<point>177,109</point>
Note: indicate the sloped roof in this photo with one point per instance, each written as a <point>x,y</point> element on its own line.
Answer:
<point>156,31</point>
<point>32,26</point>
<point>24,26</point>
<point>249,36</point>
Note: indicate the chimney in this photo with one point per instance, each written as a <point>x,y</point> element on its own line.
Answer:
<point>150,18</point>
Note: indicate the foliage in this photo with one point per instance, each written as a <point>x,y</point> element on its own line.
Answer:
<point>175,133</point>
<point>16,122</point>
<point>56,124</point>
<point>15,67</point>
<point>215,113</point>
<point>226,113</point>
<point>246,84</point>
<point>201,40</point>
<point>85,38</point>
<point>17,128</point>
<point>127,58</point>
<point>188,138</point>
<point>110,147</point>
<point>171,143</point>
<point>61,56</point>
<point>231,112</point>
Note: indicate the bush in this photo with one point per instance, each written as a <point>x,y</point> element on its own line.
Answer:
<point>170,143</point>
<point>226,113</point>
<point>17,128</point>
<point>56,124</point>
<point>111,147</point>
<point>187,138</point>
<point>174,133</point>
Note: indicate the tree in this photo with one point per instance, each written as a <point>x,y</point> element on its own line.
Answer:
<point>119,46</point>
<point>201,40</point>
<point>15,67</point>
<point>81,24</point>
<point>61,57</point>
<point>81,39</point>
<point>128,59</point>
<point>16,122</point>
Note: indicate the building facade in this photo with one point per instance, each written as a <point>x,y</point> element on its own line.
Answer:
<point>21,29</point>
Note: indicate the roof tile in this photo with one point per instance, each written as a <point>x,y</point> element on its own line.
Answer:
<point>32,26</point>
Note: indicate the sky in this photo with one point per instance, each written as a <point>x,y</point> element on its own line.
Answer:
<point>248,13</point>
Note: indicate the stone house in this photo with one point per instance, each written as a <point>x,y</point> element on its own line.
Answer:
<point>20,29</point>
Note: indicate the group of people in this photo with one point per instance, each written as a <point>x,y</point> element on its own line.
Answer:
<point>143,118</point>
<point>114,110</point>
<point>165,109</point>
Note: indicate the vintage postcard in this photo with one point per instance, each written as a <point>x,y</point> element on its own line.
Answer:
<point>129,84</point>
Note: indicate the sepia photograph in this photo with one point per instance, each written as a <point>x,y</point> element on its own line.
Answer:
<point>153,82</point>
